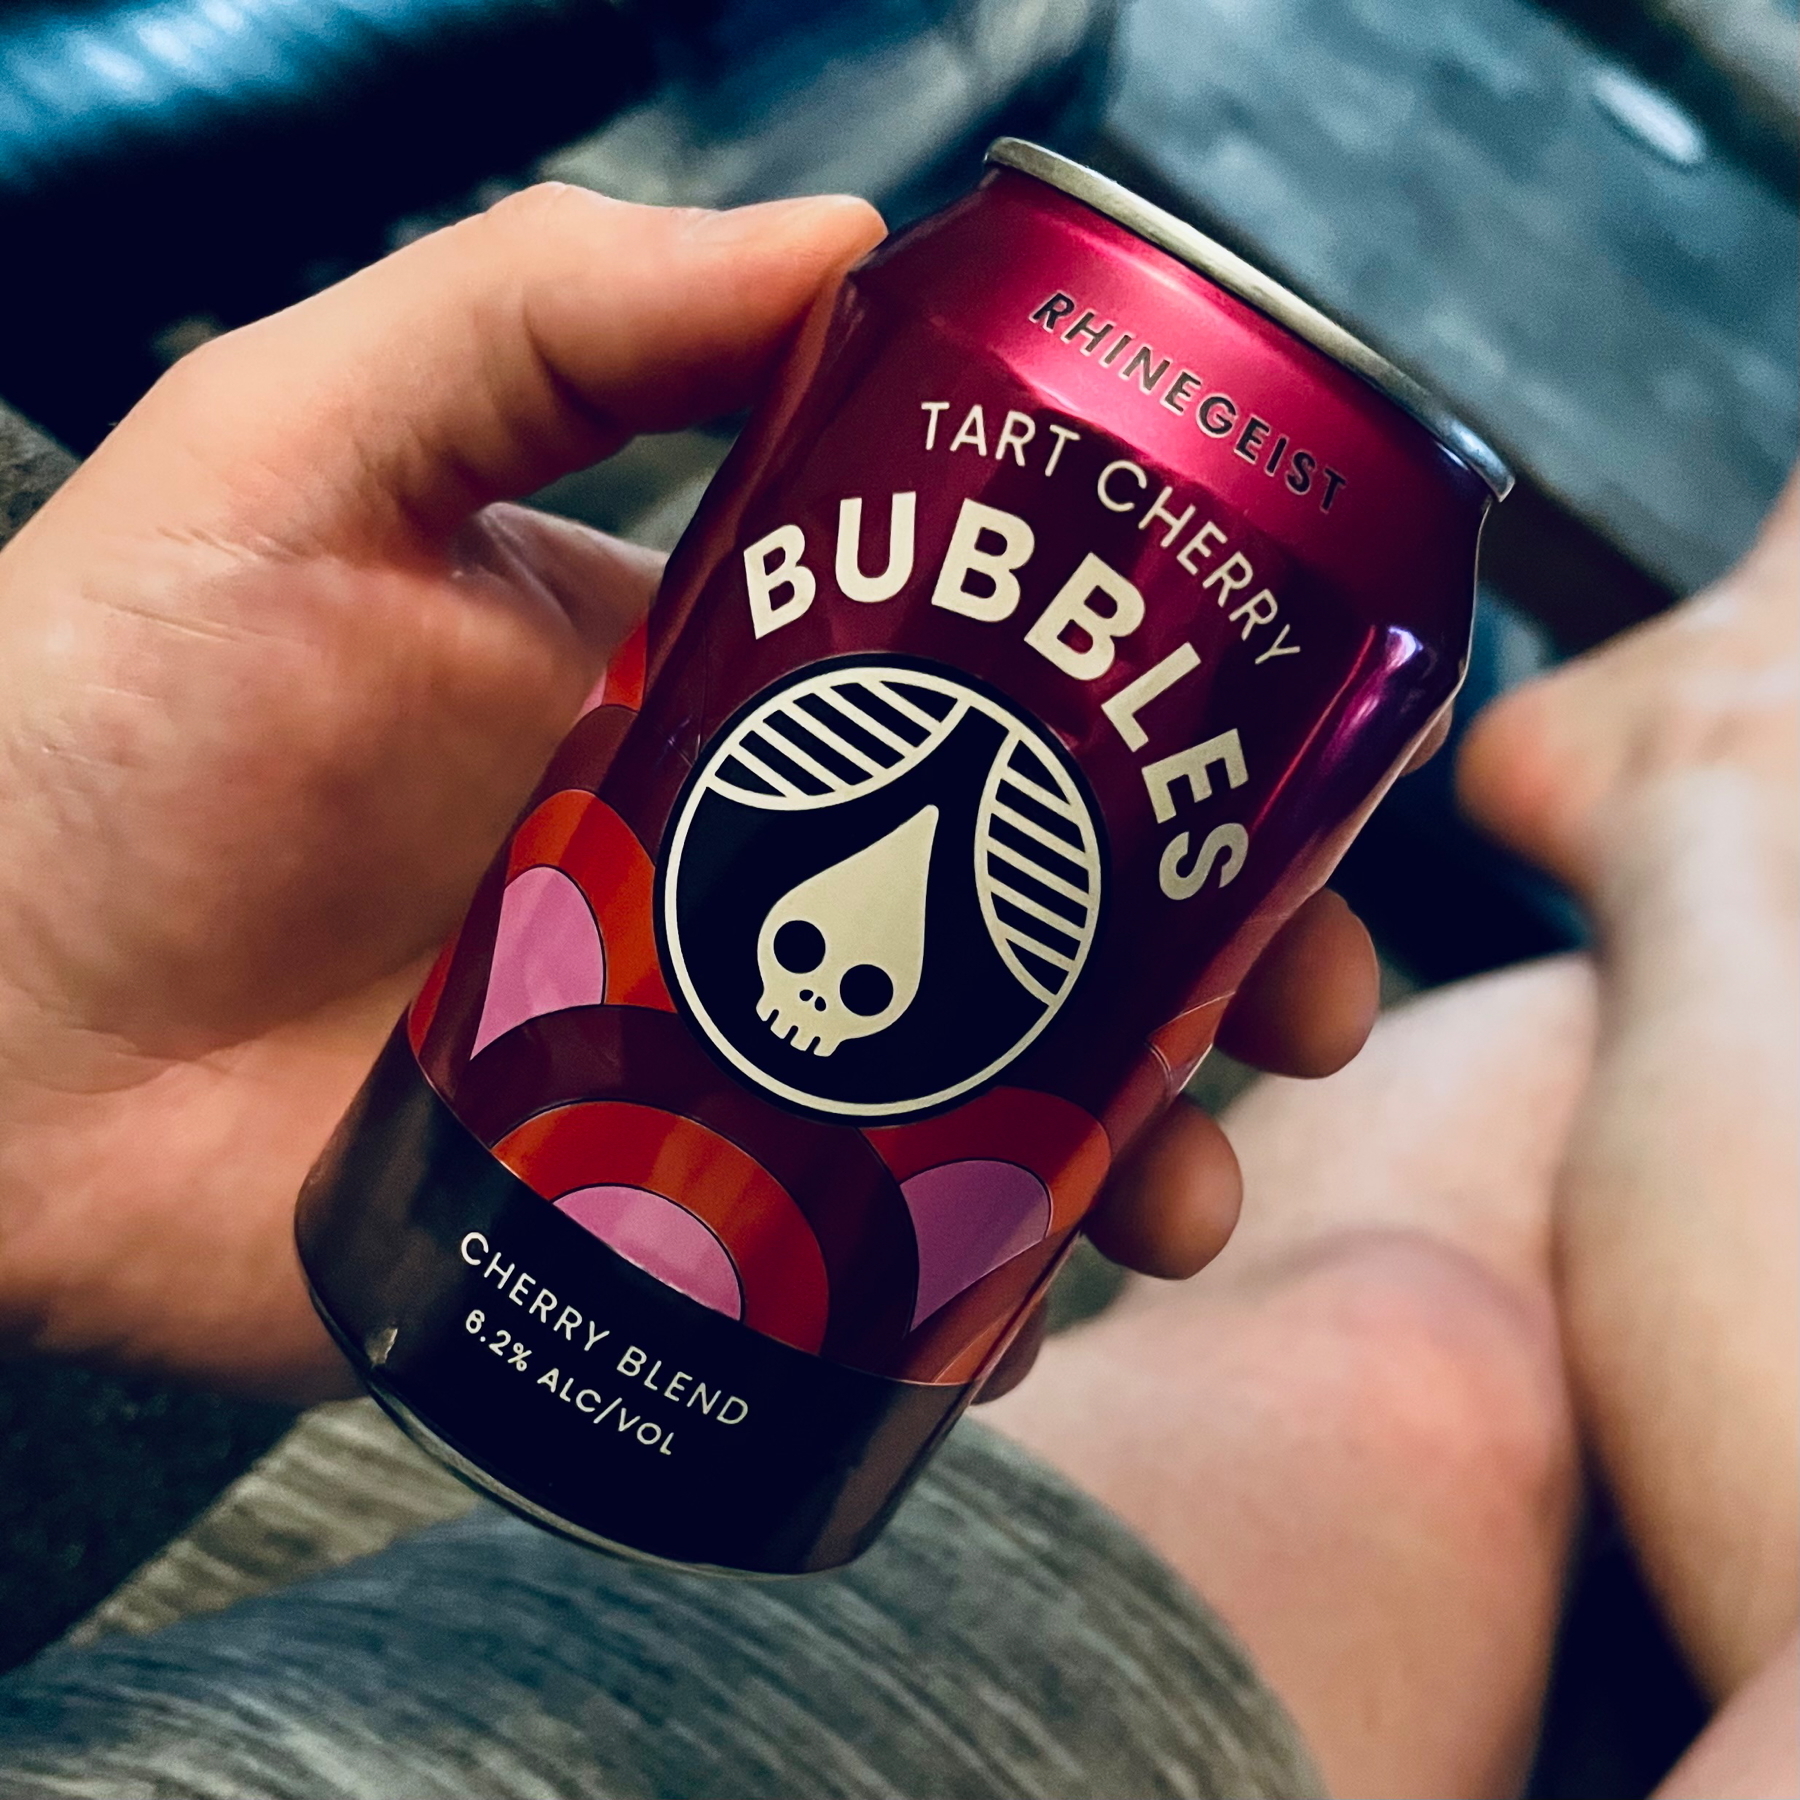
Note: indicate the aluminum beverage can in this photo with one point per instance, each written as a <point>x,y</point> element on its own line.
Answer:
<point>1047,636</point>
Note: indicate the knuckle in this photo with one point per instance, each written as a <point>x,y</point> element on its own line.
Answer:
<point>202,373</point>
<point>546,209</point>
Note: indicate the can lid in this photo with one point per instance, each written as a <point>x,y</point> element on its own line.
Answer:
<point>1231,272</point>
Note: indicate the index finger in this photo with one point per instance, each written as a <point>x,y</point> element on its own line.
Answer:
<point>483,361</point>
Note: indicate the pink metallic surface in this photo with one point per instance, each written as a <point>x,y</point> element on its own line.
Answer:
<point>1379,589</point>
<point>1304,552</point>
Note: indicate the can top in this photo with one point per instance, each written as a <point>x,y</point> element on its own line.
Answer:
<point>1235,275</point>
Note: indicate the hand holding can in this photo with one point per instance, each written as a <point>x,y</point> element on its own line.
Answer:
<point>1042,645</point>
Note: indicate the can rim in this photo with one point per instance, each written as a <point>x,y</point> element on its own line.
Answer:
<point>1248,283</point>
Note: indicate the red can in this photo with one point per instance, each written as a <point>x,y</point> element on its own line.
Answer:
<point>1049,633</point>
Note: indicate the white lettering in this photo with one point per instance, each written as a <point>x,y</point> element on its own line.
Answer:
<point>1104,490</point>
<point>1259,609</point>
<point>965,557</point>
<point>1064,437</point>
<point>1016,431</point>
<point>853,583</point>
<point>1191,766</point>
<point>1158,510</point>
<point>1203,541</point>
<point>1070,609</point>
<point>1123,708</point>
<point>1280,647</point>
<point>973,430</point>
<point>1233,573</point>
<point>1230,841</point>
<point>773,563</point>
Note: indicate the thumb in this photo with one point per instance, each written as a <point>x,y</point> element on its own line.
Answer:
<point>477,364</point>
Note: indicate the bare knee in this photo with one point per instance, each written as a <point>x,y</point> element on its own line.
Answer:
<point>1359,1449</point>
<point>1379,1377</point>
<point>1444,1381</point>
<point>1448,1130</point>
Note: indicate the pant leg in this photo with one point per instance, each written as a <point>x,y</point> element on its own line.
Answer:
<point>1006,1637</point>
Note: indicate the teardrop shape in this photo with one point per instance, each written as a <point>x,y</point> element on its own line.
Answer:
<point>840,955</point>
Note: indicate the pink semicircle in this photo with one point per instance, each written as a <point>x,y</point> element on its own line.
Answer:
<point>663,1239</point>
<point>547,954</point>
<point>970,1217</point>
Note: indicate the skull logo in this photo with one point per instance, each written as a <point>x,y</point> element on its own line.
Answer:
<point>840,954</point>
<point>878,888</point>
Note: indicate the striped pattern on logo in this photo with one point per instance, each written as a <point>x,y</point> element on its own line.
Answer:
<point>838,733</point>
<point>1037,869</point>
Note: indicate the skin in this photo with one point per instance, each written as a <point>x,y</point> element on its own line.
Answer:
<point>277,668</point>
<point>1352,1433</point>
<point>1659,780</point>
<point>1546,1216</point>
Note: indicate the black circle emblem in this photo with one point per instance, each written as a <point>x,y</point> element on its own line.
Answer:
<point>879,886</point>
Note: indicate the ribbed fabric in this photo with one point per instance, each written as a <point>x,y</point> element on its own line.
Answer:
<point>343,1483</point>
<point>1006,1638</point>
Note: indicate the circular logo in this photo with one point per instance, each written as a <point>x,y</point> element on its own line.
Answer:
<point>881,884</point>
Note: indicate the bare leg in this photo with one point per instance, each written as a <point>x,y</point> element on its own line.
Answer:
<point>1660,779</point>
<point>1751,1750</point>
<point>1350,1433</point>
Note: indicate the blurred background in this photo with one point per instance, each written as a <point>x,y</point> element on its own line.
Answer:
<point>1576,219</point>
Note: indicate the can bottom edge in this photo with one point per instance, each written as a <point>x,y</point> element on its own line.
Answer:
<point>384,1230</point>
<point>490,1487</point>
